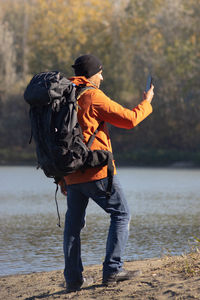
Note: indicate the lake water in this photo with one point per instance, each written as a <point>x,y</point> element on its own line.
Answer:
<point>165,208</point>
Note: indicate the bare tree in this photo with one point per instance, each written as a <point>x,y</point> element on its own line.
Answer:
<point>7,60</point>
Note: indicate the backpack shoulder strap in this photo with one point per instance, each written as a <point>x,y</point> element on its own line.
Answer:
<point>82,89</point>
<point>91,139</point>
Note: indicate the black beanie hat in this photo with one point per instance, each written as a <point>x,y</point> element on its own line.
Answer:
<point>87,65</point>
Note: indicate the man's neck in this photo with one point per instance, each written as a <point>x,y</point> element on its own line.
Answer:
<point>90,81</point>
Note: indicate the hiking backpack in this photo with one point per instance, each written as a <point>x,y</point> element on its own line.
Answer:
<point>60,147</point>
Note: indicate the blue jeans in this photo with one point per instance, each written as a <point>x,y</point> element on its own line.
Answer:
<point>77,200</point>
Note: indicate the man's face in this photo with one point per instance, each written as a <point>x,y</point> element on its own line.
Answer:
<point>96,79</point>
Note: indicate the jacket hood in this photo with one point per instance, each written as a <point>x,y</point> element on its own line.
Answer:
<point>78,80</point>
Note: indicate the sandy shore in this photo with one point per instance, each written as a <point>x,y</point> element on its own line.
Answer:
<point>167,278</point>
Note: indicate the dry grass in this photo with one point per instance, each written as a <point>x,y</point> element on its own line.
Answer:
<point>188,264</point>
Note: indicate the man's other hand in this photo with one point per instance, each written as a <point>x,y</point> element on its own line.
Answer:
<point>63,188</point>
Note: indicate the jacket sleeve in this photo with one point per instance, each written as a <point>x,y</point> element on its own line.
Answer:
<point>110,111</point>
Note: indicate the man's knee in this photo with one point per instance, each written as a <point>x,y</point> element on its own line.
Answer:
<point>74,225</point>
<point>123,217</point>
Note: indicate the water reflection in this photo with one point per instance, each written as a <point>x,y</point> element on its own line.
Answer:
<point>165,218</point>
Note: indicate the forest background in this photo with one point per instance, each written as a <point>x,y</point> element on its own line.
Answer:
<point>131,37</point>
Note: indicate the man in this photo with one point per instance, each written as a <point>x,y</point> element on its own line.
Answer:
<point>95,107</point>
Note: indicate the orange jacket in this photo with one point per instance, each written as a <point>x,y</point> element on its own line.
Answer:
<point>95,107</point>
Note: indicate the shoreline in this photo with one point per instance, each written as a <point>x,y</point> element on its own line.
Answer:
<point>170,277</point>
<point>174,165</point>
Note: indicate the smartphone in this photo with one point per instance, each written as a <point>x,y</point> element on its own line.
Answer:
<point>149,82</point>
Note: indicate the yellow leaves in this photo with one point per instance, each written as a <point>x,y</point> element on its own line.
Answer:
<point>157,42</point>
<point>193,39</point>
<point>62,28</point>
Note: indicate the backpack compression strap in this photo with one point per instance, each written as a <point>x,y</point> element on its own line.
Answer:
<point>110,174</point>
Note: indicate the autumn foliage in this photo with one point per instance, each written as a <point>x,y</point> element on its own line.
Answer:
<point>131,37</point>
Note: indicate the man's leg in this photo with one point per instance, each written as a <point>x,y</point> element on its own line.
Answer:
<point>74,222</point>
<point>118,209</point>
